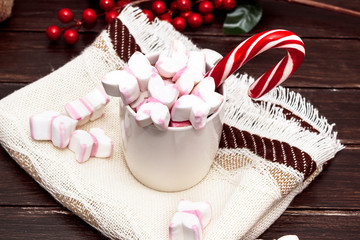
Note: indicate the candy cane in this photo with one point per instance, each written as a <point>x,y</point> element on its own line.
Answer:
<point>252,47</point>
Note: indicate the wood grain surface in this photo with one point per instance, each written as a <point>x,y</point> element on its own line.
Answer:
<point>329,78</point>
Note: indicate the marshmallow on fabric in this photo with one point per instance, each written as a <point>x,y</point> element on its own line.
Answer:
<point>154,112</point>
<point>40,125</point>
<point>61,129</point>
<point>141,68</point>
<point>103,145</point>
<point>185,226</point>
<point>79,111</point>
<point>96,101</point>
<point>203,207</point>
<point>81,143</point>
<point>167,94</point>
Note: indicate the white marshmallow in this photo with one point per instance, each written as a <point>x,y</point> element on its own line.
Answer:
<point>185,226</point>
<point>152,57</point>
<point>206,84</point>
<point>166,65</point>
<point>179,53</point>
<point>140,99</point>
<point>79,111</point>
<point>103,145</point>
<point>167,94</point>
<point>185,80</point>
<point>198,114</point>
<point>128,86</point>
<point>81,143</point>
<point>40,125</point>
<point>62,127</point>
<point>197,61</point>
<point>203,207</point>
<point>183,106</point>
<point>211,57</point>
<point>154,112</point>
<point>97,100</point>
<point>141,68</point>
<point>111,82</point>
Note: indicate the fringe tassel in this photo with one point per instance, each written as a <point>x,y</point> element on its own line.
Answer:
<point>269,121</point>
<point>151,37</point>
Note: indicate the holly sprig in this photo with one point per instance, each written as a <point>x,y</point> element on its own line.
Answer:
<point>242,15</point>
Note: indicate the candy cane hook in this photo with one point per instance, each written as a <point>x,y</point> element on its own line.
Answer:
<point>252,47</point>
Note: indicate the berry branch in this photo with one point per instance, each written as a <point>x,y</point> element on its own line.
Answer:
<point>180,13</point>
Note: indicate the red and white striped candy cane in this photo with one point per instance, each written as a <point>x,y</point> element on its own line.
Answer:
<point>252,47</point>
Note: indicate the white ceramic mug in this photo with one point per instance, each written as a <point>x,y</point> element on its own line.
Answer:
<point>171,160</point>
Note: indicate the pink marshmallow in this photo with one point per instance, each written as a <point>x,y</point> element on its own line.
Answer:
<point>128,86</point>
<point>186,79</point>
<point>40,125</point>
<point>153,112</point>
<point>182,107</point>
<point>179,124</point>
<point>185,226</point>
<point>111,82</point>
<point>197,62</point>
<point>81,143</point>
<point>198,114</point>
<point>143,95</point>
<point>103,145</point>
<point>204,209</point>
<point>141,68</point>
<point>79,110</point>
<point>61,129</point>
<point>97,100</point>
<point>167,94</point>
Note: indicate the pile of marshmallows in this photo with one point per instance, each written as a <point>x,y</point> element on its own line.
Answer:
<point>61,129</point>
<point>190,220</point>
<point>168,88</point>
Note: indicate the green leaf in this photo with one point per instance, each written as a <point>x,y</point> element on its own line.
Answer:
<point>244,17</point>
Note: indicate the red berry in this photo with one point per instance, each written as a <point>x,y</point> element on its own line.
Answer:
<point>185,14</point>
<point>110,16</point>
<point>194,20</point>
<point>149,14</point>
<point>89,16</point>
<point>179,23</point>
<point>208,18</point>
<point>206,7</point>
<point>166,17</point>
<point>106,5</point>
<point>53,32</point>
<point>65,15</point>
<point>71,36</point>
<point>218,4</point>
<point>158,7</point>
<point>183,5</point>
<point>174,6</point>
<point>122,3</point>
<point>229,4</point>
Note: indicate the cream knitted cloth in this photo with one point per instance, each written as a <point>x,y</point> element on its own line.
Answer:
<point>271,149</point>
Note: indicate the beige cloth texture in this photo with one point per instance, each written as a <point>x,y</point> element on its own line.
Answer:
<point>247,192</point>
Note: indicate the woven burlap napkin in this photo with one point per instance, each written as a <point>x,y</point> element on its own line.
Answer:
<point>270,150</point>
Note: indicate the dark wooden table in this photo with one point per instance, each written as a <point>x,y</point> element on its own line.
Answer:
<point>329,77</point>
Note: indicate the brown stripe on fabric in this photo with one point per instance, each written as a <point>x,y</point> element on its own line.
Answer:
<point>270,149</point>
<point>290,115</point>
<point>124,43</point>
